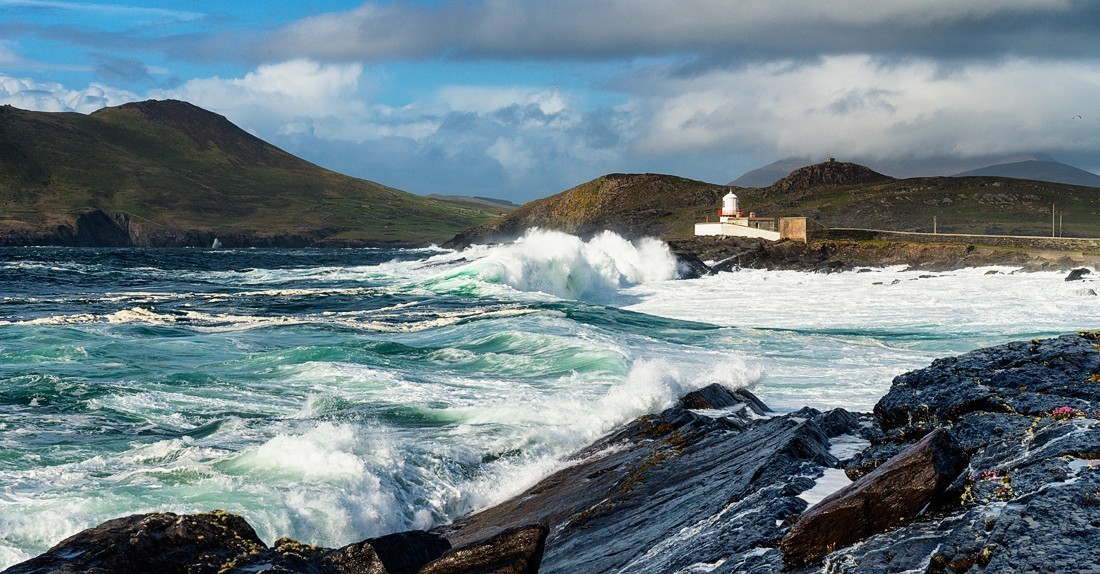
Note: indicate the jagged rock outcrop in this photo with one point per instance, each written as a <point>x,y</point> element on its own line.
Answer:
<point>830,173</point>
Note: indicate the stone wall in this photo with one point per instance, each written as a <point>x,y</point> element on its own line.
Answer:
<point>1056,243</point>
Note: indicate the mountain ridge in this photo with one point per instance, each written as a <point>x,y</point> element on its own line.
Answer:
<point>168,173</point>
<point>1036,167</point>
<point>835,194</point>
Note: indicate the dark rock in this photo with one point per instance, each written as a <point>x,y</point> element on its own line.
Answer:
<point>158,542</point>
<point>890,495</point>
<point>689,266</point>
<point>837,422</point>
<point>401,553</point>
<point>1077,274</point>
<point>514,551</point>
<point>223,543</point>
<point>671,491</point>
<point>1027,377</point>
<point>715,396</point>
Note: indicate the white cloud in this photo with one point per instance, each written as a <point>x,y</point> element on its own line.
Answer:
<point>281,97</point>
<point>31,94</point>
<point>512,154</point>
<point>855,105</point>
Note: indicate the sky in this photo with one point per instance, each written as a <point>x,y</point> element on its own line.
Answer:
<point>521,99</point>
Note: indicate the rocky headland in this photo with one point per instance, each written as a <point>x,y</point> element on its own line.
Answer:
<point>986,462</point>
<point>707,255</point>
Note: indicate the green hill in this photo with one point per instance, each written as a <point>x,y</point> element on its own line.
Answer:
<point>836,194</point>
<point>170,173</point>
<point>633,205</point>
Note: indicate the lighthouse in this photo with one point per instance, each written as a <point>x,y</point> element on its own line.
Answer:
<point>729,208</point>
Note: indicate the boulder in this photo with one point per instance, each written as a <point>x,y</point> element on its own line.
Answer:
<point>894,493</point>
<point>401,553</point>
<point>157,542</point>
<point>1077,274</point>
<point>222,543</point>
<point>715,396</point>
<point>514,551</point>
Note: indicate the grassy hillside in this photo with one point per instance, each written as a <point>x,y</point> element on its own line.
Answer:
<point>633,205</point>
<point>178,171</point>
<point>836,194</point>
<point>984,205</point>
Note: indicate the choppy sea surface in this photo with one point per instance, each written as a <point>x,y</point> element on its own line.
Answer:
<point>335,395</point>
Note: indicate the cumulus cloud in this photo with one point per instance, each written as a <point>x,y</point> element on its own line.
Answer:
<point>861,106</point>
<point>557,29</point>
<point>284,97</point>
<point>31,94</point>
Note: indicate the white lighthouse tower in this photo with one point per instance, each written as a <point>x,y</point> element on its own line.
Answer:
<point>729,208</point>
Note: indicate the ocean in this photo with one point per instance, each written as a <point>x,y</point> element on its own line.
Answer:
<point>335,395</point>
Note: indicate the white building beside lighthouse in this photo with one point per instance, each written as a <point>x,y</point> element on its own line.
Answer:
<point>732,221</point>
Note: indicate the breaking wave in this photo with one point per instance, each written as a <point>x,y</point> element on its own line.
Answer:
<point>566,266</point>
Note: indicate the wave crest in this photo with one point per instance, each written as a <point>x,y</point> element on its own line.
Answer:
<point>566,266</point>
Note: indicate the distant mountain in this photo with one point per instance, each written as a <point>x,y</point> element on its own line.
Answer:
<point>171,173</point>
<point>1031,167</point>
<point>1035,170</point>
<point>836,194</point>
<point>771,173</point>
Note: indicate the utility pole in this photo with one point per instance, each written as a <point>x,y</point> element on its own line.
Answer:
<point>1052,220</point>
<point>1060,223</point>
<point>933,225</point>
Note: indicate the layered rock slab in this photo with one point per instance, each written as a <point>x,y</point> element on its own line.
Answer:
<point>678,491</point>
<point>1026,414</point>
<point>894,493</point>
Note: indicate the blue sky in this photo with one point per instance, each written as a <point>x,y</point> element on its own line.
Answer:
<point>522,99</point>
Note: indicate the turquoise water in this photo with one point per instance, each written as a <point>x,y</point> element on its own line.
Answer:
<point>333,395</point>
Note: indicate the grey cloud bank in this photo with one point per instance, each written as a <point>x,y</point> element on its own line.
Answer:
<point>702,89</point>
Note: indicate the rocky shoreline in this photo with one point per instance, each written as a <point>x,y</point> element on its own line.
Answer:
<point>986,462</point>
<point>729,253</point>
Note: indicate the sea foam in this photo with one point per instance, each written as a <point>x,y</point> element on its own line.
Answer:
<point>566,266</point>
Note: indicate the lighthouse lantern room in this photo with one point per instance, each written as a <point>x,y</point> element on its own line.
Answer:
<point>729,208</point>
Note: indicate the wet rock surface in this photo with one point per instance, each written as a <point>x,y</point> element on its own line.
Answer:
<point>1026,415</point>
<point>894,493</point>
<point>676,491</point>
<point>514,551</point>
<point>987,462</point>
